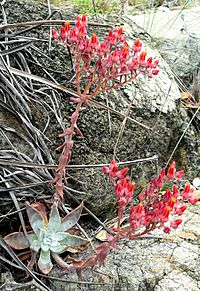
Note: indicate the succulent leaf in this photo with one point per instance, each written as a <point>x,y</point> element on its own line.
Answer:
<point>45,247</point>
<point>35,218</point>
<point>59,249</point>
<point>18,240</point>
<point>41,208</point>
<point>35,245</point>
<point>61,236</point>
<point>45,265</point>
<point>54,219</point>
<point>72,218</point>
<point>72,241</point>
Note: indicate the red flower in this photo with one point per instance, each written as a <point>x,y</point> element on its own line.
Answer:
<point>120,174</point>
<point>106,170</point>
<point>82,30</point>
<point>171,171</point>
<point>67,26</point>
<point>63,33</point>
<point>133,65</point>
<point>155,72</point>
<point>180,210</point>
<point>78,21</point>
<point>135,224</point>
<point>115,56</point>
<point>175,223</point>
<point>94,41</point>
<point>139,211</point>
<point>179,174</point>
<point>119,33</point>
<point>175,191</point>
<point>111,37</point>
<point>124,53</point>
<point>166,229</point>
<point>155,64</point>
<point>149,62</point>
<point>146,220</point>
<point>172,202</point>
<point>187,192</point>
<point>137,46</point>
<point>142,57</point>
<point>165,213</point>
<point>113,168</point>
<point>84,18</point>
<point>154,209</point>
<point>193,200</point>
<point>161,178</point>
<point>55,34</point>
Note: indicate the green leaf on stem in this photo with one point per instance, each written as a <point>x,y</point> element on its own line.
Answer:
<point>72,218</point>
<point>18,240</point>
<point>72,241</point>
<point>54,220</point>
<point>36,220</point>
<point>45,265</point>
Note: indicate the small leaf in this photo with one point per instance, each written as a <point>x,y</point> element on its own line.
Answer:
<point>35,218</point>
<point>165,187</point>
<point>72,218</point>
<point>54,220</point>
<point>18,241</point>
<point>45,265</point>
<point>73,241</point>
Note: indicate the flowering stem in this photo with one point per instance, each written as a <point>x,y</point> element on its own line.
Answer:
<point>99,67</point>
<point>66,153</point>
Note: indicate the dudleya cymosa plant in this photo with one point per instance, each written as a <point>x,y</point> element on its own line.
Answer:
<point>48,236</point>
<point>99,66</point>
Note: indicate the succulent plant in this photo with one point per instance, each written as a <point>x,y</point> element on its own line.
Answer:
<point>48,236</point>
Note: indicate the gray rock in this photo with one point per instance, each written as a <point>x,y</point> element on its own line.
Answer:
<point>175,35</point>
<point>158,262</point>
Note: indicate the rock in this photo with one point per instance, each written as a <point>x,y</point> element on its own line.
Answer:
<point>158,262</point>
<point>175,35</point>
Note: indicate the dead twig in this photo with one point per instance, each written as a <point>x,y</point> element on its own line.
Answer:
<point>53,167</point>
<point>47,22</point>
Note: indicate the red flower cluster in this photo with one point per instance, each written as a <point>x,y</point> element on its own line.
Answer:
<point>101,63</point>
<point>123,186</point>
<point>154,208</point>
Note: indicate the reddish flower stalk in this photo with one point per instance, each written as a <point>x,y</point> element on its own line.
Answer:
<point>99,67</point>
